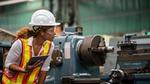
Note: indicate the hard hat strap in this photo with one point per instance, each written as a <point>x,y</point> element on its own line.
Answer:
<point>36,28</point>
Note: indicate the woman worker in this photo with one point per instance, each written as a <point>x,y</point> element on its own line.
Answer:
<point>38,42</point>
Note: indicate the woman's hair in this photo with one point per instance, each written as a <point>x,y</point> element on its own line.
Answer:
<point>26,32</point>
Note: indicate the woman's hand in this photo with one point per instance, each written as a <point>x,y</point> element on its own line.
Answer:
<point>29,68</point>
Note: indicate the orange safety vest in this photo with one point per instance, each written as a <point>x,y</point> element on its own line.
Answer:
<point>26,78</point>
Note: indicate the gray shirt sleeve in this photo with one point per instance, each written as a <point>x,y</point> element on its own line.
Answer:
<point>14,54</point>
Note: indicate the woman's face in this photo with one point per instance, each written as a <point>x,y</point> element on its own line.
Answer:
<point>49,34</point>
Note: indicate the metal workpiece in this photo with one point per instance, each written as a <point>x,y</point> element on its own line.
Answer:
<point>102,49</point>
<point>92,50</point>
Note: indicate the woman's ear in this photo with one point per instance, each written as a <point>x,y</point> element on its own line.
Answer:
<point>41,33</point>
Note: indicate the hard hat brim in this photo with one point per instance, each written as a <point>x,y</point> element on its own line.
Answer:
<point>53,24</point>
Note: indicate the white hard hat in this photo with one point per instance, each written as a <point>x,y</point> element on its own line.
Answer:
<point>43,17</point>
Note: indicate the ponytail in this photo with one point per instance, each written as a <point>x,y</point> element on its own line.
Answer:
<point>24,33</point>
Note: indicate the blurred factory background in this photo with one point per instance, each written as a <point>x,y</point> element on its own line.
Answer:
<point>104,17</point>
<point>95,16</point>
<point>116,20</point>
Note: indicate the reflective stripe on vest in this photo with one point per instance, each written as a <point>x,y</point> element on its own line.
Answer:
<point>25,78</point>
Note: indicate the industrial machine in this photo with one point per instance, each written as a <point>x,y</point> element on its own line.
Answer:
<point>4,48</point>
<point>133,61</point>
<point>75,60</point>
<point>78,59</point>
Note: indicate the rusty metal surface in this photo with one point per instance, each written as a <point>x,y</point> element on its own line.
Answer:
<point>87,55</point>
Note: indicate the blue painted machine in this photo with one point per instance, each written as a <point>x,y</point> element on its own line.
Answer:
<point>4,48</point>
<point>80,59</point>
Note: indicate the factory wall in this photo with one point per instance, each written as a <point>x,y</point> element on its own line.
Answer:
<point>96,16</point>
<point>15,16</point>
<point>114,16</point>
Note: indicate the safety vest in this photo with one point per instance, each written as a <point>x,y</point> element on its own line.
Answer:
<point>26,78</point>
